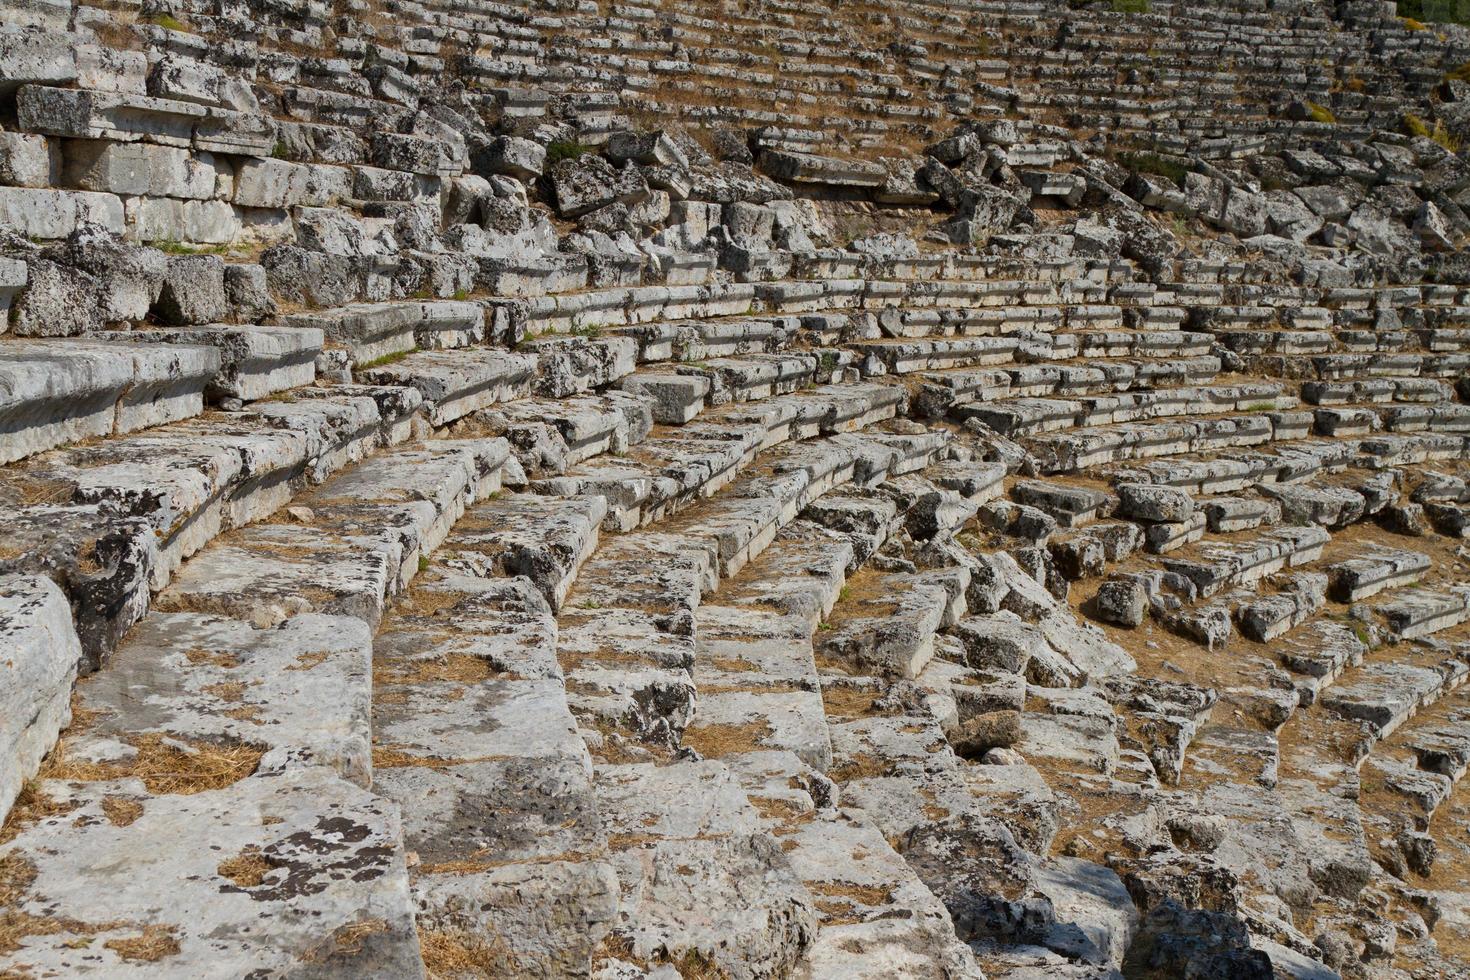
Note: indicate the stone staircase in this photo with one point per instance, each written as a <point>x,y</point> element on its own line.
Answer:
<point>560,488</point>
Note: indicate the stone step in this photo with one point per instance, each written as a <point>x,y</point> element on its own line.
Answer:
<point>277,872</point>
<point>1414,613</point>
<point>40,671</point>
<point>53,392</point>
<point>353,543</point>
<point>1408,778</point>
<point>375,332</point>
<point>753,663</point>
<point>1214,566</point>
<point>473,738</point>
<point>112,522</point>
<point>1081,449</point>
<point>551,435</point>
<point>1383,694</point>
<point>626,628</point>
<point>673,469</point>
<point>456,383</point>
<point>1034,416</point>
<point>255,361</point>
<point>1374,570</point>
<point>701,879</point>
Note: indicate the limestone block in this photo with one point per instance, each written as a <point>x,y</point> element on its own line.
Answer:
<point>168,220</point>
<point>37,213</point>
<point>26,160</point>
<point>270,183</point>
<point>46,57</point>
<point>140,169</point>
<point>36,675</point>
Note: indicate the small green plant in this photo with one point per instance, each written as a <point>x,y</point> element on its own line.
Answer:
<point>590,604</point>
<point>167,21</point>
<point>560,150</point>
<point>1260,407</point>
<point>461,294</point>
<point>169,246</point>
<point>1437,133</point>
<point>1152,163</point>
<point>824,627</point>
<point>1130,6</point>
<point>1460,74</point>
<point>385,360</point>
<point>1361,632</point>
<point>591,331</point>
<point>423,564</point>
<point>1320,113</point>
<point>280,151</point>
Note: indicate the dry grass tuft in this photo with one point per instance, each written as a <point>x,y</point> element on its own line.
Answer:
<point>16,875</point>
<point>859,767</point>
<point>461,668</point>
<point>154,944</point>
<point>228,661</point>
<point>121,811</point>
<point>173,766</point>
<point>248,868</point>
<point>715,741</point>
<point>454,953</point>
<point>308,660</point>
<point>32,806</point>
<point>869,895</point>
<point>848,702</point>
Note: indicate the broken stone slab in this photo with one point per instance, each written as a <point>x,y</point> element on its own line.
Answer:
<point>39,671</point>
<point>677,398</point>
<point>140,504</point>
<point>574,365</point>
<point>54,214</point>
<point>1373,571</point>
<point>1271,616</point>
<point>549,436</point>
<point>877,918</point>
<point>1385,694</point>
<point>1320,653</point>
<point>1146,502</point>
<point>810,168</point>
<point>1413,613</point>
<point>545,539</point>
<point>1219,565</point>
<point>283,872</point>
<point>457,383</point>
<point>255,361</point>
<point>127,118</point>
<point>1160,539</point>
<point>58,391</point>
<point>374,331</point>
<point>888,627</point>
<point>1071,506</point>
<point>1329,506</point>
<point>588,183</point>
<point>1121,601</point>
<point>1227,515</point>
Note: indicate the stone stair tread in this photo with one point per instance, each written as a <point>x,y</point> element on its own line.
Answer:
<point>303,840</point>
<point>456,383</point>
<point>366,533</point>
<point>65,390</point>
